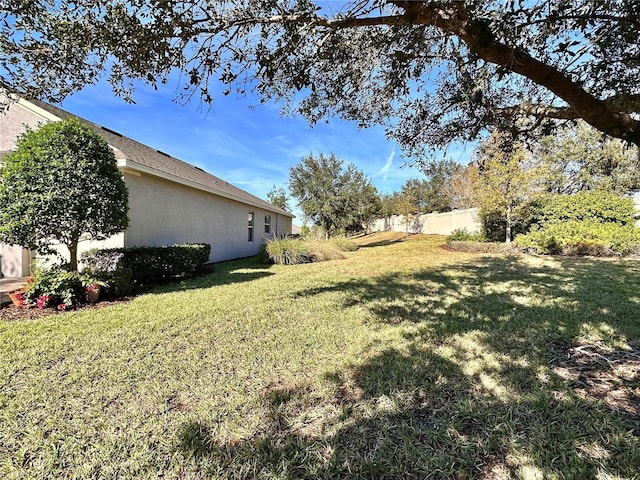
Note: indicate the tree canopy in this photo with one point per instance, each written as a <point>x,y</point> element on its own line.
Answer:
<point>432,72</point>
<point>578,158</point>
<point>332,195</point>
<point>62,183</point>
<point>278,197</point>
<point>505,183</point>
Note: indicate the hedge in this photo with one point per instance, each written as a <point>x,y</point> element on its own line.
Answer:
<point>148,264</point>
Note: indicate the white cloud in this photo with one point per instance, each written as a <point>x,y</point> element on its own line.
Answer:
<point>389,161</point>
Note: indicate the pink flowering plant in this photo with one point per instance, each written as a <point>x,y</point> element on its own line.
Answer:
<point>43,301</point>
<point>55,286</point>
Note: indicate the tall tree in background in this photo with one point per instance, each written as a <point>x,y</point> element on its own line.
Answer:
<point>580,158</point>
<point>332,195</point>
<point>432,72</point>
<point>278,197</point>
<point>506,182</point>
<point>459,188</point>
<point>61,184</point>
<point>433,193</point>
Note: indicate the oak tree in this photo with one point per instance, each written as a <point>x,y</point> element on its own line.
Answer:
<point>579,158</point>
<point>333,195</point>
<point>432,72</point>
<point>278,197</point>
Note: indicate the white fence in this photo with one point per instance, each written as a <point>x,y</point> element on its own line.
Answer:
<point>430,223</point>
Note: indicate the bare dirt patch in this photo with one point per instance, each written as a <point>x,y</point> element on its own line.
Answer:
<point>609,376</point>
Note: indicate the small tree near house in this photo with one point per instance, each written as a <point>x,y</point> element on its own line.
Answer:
<point>61,184</point>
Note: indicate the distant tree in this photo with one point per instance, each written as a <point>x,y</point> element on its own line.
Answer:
<point>278,197</point>
<point>459,188</point>
<point>388,204</point>
<point>407,204</point>
<point>434,193</point>
<point>332,195</point>
<point>506,183</point>
<point>62,183</point>
<point>581,158</point>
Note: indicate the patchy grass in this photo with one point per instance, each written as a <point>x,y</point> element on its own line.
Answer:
<point>402,360</point>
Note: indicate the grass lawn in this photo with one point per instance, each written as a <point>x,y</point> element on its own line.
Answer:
<point>403,360</point>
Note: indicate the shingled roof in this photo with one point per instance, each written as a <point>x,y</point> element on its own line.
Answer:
<point>137,156</point>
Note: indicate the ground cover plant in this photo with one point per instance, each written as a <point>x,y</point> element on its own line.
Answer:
<point>402,360</point>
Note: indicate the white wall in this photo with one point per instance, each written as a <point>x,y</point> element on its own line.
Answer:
<point>14,261</point>
<point>61,252</point>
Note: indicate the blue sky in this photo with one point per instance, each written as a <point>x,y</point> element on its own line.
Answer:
<point>241,140</point>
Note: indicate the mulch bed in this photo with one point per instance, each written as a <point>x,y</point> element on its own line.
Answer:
<point>611,377</point>
<point>13,313</point>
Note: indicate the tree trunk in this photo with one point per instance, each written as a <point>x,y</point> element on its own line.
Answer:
<point>508,227</point>
<point>73,255</point>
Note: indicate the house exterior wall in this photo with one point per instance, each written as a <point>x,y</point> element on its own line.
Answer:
<point>194,217</point>
<point>61,252</point>
<point>431,223</point>
<point>12,124</point>
<point>14,261</point>
<point>161,212</point>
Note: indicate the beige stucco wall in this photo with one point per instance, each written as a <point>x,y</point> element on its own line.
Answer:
<point>13,121</point>
<point>165,213</point>
<point>62,252</point>
<point>431,223</point>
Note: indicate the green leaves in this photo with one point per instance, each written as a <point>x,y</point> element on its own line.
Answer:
<point>61,183</point>
<point>331,195</point>
<point>430,72</point>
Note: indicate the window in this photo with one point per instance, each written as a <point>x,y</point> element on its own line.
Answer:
<point>267,224</point>
<point>250,232</point>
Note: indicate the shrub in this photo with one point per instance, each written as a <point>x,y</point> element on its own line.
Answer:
<point>144,265</point>
<point>55,287</point>
<point>462,234</point>
<point>574,237</point>
<point>595,223</point>
<point>344,245</point>
<point>587,206</point>
<point>293,251</point>
<point>287,251</point>
<point>323,250</point>
<point>477,247</point>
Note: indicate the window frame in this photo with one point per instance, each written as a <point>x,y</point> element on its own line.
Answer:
<point>250,222</point>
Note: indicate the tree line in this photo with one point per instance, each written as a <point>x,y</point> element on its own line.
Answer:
<point>506,179</point>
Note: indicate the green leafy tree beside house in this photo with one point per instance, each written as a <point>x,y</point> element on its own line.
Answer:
<point>62,185</point>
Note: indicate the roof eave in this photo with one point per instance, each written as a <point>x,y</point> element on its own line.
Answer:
<point>126,164</point>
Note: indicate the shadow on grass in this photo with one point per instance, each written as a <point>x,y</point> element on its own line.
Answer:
<point>224,273</point>
<point>469,395</point>
<point>383,243</point>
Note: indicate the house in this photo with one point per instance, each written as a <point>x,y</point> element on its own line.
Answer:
<point>170,201</point>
